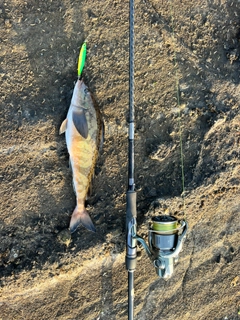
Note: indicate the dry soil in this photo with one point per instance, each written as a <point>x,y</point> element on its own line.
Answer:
<point>45,273</point>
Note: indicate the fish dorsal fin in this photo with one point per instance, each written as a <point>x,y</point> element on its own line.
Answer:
<point>63,127</point>
<point>80,122</point>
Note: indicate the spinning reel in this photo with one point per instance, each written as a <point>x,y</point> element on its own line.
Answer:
<point>165,238</point>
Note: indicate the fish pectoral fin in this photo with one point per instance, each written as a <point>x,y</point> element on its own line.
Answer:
<point>63,127</point>
<point>80,122</point>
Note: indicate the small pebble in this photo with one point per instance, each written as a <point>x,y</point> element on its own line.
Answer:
<point>7,23</point>
<point>14,253</point>
<point>64,237</point>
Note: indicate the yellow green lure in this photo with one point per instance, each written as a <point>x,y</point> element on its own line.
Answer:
<point>82,58</point>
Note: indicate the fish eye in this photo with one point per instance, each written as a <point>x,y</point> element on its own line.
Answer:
<point>86,90</point>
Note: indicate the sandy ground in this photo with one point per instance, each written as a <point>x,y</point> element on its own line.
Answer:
<point>44,272</point>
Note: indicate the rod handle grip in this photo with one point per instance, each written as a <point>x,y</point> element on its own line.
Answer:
<point>131,205</point>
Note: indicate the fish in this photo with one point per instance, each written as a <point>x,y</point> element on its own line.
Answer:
<point>83,130</point>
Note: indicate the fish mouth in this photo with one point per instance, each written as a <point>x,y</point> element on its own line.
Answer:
<point>82,87</point>
<point>79,83</point>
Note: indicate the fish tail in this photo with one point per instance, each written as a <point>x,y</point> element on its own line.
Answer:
<point>81,217</point>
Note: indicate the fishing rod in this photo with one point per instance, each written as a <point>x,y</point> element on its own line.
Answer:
<point>166,234</point>
<point>131,214</point>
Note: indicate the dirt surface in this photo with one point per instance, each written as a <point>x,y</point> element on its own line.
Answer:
<point>44,272</point>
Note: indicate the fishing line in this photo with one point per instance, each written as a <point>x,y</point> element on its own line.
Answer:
<point>176,67</point>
